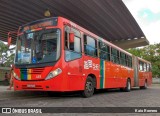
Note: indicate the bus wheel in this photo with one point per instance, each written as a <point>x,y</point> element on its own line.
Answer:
<point>121,89</point>
<point>145,85</point>
<point>89,88</point>
<point>128,86</point>
<point>52,94</point>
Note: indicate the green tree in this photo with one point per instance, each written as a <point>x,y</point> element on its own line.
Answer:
<point>150,53</point>
<point>6,55</point>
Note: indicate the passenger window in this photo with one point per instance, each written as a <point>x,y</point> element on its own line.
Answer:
<point>140,66</point>
<point>104,51</point>
<point>130,61</point>
<point>123,59</point>
<point>77,44</point>
<point>66,37</point>
<point>90,46</point>
<point>145,68</point>
<point>126,60</point>
<point>115,56</point>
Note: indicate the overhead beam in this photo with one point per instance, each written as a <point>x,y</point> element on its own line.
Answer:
<point>132,43</point>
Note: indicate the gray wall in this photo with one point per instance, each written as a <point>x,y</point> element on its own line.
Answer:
<point>156,80</point>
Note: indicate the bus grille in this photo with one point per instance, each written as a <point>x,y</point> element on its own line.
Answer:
<point>32,71</point>
<point>37,70</point>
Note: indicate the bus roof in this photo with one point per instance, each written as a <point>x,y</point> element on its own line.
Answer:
<point>143,60</point>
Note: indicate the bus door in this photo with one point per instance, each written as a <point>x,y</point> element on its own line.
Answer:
<point>73,57</point>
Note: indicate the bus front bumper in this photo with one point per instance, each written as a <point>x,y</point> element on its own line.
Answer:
<point>45,85</point>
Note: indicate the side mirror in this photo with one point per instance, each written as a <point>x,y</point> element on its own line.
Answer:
<point>71,38</point>
<point>9,37</point>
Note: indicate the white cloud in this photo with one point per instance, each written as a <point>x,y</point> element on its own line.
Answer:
<point>145,15</point>
<point>151,29</point>
<point>152,32</point>
<point>135,5</point>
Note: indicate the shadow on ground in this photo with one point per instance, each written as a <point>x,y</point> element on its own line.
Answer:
<point>37,94</point>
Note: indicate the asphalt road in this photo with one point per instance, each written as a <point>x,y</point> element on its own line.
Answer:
<point>106,98</point>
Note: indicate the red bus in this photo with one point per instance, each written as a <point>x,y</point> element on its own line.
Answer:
<point>55,54</point>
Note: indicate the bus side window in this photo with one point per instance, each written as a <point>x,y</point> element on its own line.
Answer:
<point>118,58</point>
<point>140,65</point>
<point>115,55</point>
<point>90,46</point>
<point>77,44</point>
<point>104,51</point>
<point>126,60</point>
<point>130,61</point>
<point>66,37</point>
<point>122,59</point>
<point>72,50</point>
<point>112,55</point>
<point>145,67</point>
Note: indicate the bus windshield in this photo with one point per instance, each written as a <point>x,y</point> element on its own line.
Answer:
<point>38,47</point>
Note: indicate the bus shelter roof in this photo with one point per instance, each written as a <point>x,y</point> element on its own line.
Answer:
<point>109,19</point>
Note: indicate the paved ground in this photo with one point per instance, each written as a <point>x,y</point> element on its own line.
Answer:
<point>107,98</point>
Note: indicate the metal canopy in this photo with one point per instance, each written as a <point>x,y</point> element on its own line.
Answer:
<point>109,19</point>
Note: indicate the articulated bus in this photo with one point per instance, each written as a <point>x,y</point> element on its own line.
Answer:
<point>55,54</point>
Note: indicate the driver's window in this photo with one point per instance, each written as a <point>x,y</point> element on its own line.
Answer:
<point>72,50</point>
<point>48,44</point>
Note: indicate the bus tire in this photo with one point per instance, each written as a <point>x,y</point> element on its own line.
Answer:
<point>89,88</point>
<point>128,86</point>
<point>121,89</point>
<point>145,85</point>
<point>52,94</point>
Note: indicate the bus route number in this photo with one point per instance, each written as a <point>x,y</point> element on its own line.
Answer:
<point>90,65</point>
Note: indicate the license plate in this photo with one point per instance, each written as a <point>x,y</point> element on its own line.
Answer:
<point>31,86</point>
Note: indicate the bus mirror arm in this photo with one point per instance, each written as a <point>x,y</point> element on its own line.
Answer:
<point>10,38</point>
<point>9,41</point>
<point>71,37</point>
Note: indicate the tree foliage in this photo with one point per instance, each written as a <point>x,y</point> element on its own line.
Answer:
<point>150,53</point>
<point>6,55</point>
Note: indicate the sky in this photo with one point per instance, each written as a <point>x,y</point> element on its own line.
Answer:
<point>147,15</point>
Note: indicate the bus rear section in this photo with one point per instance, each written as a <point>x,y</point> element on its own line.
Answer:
<point>142,73</point>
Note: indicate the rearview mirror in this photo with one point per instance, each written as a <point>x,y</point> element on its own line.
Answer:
<point>71,38</point>
<point>10,38</point>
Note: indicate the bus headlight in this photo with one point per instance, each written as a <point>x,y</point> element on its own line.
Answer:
<point>54,73</point>
<point>15,76</point>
